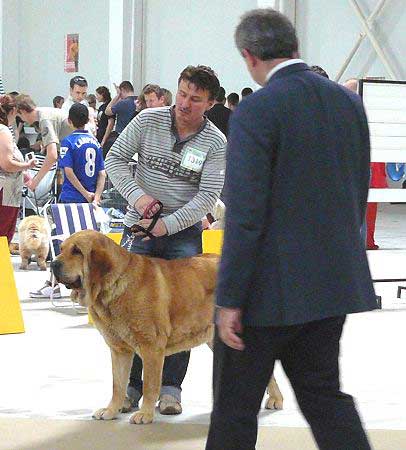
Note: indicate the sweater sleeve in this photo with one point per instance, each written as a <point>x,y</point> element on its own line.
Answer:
<point>121,153</point>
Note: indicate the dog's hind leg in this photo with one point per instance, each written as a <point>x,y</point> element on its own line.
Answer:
<point>121,365</point>
<point>153,362</point>
<point>275,399</point>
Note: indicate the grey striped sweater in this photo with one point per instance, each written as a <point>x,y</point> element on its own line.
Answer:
<point>187,195</point>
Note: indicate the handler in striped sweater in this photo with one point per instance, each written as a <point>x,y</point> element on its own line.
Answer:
<point>181,162</point>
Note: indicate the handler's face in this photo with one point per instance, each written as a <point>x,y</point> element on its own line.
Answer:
<point>191,103</point>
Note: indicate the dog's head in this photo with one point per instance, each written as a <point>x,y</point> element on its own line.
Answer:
<point>85,265</point>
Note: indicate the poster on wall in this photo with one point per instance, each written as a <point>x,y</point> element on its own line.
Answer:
<point>72,53</point>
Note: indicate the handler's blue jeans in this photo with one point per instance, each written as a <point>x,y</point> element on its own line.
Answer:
<point>186,243</point>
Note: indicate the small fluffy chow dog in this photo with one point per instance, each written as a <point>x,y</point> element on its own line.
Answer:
<point>34,240</point>
<point>150,306</point>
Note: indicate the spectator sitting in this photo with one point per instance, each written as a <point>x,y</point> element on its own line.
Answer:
<point>232,100</point>
<point>122,105</point>
<point>58,101</point>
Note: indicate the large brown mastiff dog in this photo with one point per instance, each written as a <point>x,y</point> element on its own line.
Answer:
<point>150,306</point>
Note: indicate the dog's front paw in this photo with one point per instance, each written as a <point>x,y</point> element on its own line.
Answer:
<point>24,267</point>
<point>274,403</point>
<point>42,267</point>
<point>104,414</point>
<point>142,417</point>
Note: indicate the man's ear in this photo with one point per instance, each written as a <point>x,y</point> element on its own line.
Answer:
<point>249,58</point>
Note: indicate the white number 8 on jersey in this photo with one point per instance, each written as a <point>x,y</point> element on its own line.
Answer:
<point>90,166</point>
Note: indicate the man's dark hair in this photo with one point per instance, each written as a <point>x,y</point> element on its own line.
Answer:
<point>202,77</point>
<point>57,99</point>
<point>79,115</point>
<point>13,93</point>
<point>79,81</point>
<point>319,70</point>
<point>105,93</point>
<point>126,86</point>
<point>221,95</point>
<point>266,34</point>
<point>233,99</point>
<point>246,91</point>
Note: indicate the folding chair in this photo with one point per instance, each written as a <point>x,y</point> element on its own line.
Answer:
<point>65,219</point>
<point>44,194</point>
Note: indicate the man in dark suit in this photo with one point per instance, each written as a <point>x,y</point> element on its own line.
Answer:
<point>293,263</point>
<point>218,113</point>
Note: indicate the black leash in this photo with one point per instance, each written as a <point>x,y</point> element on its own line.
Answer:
<point>147,231</point>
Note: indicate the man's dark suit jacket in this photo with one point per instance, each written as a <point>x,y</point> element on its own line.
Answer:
<point>219,115</point>
<point>296,189</point>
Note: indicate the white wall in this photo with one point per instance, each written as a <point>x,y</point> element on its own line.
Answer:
<point>34,45</point>
<point>178,33</point>
<point>183,32</point>
<point>328,30</point>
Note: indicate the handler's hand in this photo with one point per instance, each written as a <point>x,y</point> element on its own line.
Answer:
<point>229,324</point>
<point>158,230</point>
<point>142,203</point>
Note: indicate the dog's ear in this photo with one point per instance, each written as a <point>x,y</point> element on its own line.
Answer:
<point>100,262</point>
<point>97,264</point>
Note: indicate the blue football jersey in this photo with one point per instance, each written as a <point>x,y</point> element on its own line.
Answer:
<point>82,153</point>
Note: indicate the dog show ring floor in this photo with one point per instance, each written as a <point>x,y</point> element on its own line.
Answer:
<point>58,372</point>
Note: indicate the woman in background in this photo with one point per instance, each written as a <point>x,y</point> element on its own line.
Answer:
<point>12,166</point>
<point>105,123</point>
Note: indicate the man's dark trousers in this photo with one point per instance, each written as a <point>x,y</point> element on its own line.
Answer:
<point>186,243</point>
<point>309,355</point>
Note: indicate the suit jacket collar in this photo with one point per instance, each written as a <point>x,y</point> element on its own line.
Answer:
<point>299,67</point>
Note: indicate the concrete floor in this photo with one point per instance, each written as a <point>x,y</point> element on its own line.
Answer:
<point>60,367</point>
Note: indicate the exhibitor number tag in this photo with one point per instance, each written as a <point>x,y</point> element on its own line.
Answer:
<point>193,159</point>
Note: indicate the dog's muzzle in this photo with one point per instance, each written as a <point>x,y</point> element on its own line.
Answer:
<point>56,268</point>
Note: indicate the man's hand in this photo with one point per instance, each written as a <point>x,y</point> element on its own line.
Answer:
<point>142,203</point>
<point>96,200</point>
<point>118,90</point>
<point>32,184</point>
<point>229,324</point>
<point>89,196</point>
<point>158,230</point>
